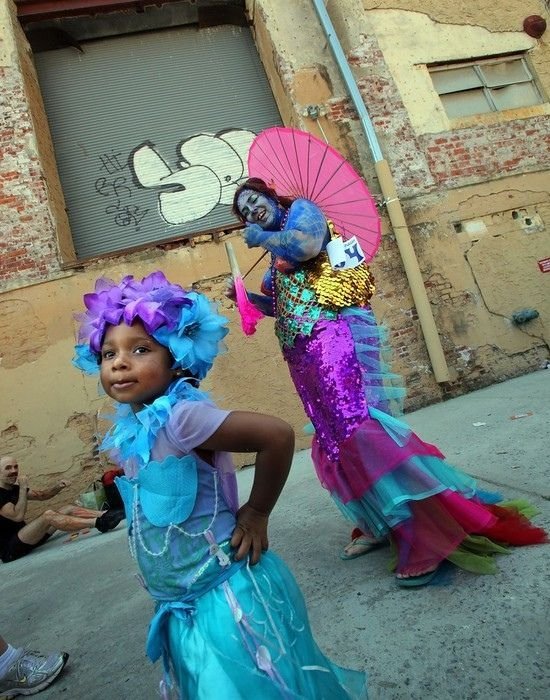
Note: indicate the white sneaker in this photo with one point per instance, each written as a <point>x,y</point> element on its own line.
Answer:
<point>31,672</point>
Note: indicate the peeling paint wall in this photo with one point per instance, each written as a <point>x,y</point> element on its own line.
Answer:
<point>480,266</point>
<point>475,197</point>
<point>31,201</point>
<point>496,17</point>
<point>425,41</point>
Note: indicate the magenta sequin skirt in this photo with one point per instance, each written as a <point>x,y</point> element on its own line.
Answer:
<point>380,473</point>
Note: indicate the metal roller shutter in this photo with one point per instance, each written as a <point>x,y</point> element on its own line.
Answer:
<point>122,115</point>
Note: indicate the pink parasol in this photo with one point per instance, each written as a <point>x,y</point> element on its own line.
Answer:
<point>296,164</point>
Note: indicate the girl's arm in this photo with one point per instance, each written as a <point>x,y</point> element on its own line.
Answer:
<point>273,442</point>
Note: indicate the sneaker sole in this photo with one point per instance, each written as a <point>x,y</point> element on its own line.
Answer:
<point>6,695</point>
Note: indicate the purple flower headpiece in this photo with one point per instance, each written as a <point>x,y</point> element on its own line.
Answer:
<point>185,322</point>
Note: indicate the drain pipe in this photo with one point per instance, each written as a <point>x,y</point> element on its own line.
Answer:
<point>393,205</point>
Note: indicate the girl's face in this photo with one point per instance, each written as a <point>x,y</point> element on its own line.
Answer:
<point>135,369</point>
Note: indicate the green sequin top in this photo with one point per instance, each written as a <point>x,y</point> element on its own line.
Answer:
<point>296,307</point>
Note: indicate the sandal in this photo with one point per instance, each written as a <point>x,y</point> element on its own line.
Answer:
<point>416,581</point>
<point>359,546</point>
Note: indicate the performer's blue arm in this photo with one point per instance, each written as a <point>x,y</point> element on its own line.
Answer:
<point>304,236</point>
<point>261,302</point>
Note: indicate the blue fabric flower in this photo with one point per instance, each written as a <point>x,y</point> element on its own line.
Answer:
<point>85,359</point>
<point>194,344</point>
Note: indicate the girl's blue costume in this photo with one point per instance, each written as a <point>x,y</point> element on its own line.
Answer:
<point>224,629</point>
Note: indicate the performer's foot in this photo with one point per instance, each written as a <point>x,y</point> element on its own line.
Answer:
<point>361,545</point>
<point>414,578</point>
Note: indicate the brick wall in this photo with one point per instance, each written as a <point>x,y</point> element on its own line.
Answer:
<point>27,246</point>
<point>479,153</point>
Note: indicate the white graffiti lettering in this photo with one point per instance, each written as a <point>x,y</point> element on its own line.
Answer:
<point>211,166</point>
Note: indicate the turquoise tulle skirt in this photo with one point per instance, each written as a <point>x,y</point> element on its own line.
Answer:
<point>250,638</point>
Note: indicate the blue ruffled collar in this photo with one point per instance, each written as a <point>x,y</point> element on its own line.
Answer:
<point>132,435</point>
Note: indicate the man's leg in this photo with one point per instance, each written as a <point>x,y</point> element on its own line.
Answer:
<point>37,531</point>
<point>104,520</point>
<point>24,672</point>
<point>52,520</point>
<point>79,512</point>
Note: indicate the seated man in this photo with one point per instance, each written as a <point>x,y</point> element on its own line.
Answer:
<point>18,538</point>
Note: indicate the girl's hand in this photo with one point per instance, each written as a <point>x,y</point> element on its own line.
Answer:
<point>250,534</point>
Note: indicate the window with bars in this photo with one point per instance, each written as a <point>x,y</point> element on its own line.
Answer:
<point>489,85</point>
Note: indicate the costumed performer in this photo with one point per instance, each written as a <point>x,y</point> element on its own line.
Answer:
<point>383,477</point>
<point>230,620</point>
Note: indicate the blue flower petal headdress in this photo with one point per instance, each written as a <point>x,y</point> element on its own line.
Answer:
<point>185,322</point>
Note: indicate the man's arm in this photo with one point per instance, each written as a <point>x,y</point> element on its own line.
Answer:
<point>17,512</point>
<point>50,492</point>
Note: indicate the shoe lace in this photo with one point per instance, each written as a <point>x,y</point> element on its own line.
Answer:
<point>30,662</point>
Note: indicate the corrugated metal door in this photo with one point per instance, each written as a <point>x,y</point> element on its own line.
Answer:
<point>151,131</point>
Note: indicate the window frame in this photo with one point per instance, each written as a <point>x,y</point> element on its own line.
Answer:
<point>477,64</point>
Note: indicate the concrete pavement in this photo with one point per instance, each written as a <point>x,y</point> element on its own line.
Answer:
<point>479,638</point>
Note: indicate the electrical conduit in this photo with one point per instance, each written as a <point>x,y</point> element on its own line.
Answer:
<point>393,205</point>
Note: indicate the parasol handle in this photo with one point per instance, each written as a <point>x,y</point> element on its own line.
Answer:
<point>233,264</point>
<point>262,256</point>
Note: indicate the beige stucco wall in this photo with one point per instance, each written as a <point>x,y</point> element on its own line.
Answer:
<point>477,259</point>
<point>488,269</point>
<point>495,16</point>
<point>409,40</point>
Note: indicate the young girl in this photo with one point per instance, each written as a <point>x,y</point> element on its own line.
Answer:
<point>382,476</point>
<point>230,621</point>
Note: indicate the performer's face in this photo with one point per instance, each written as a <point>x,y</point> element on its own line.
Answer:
<point>258,208</point>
